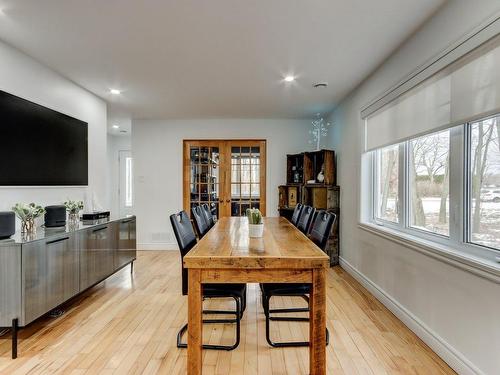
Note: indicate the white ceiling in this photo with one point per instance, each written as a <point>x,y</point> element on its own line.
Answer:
<point>217,58</point>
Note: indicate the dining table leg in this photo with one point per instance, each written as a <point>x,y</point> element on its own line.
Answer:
<point>317,323</point>
<point>195,328</point>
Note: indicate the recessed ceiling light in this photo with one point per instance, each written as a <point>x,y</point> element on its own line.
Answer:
<point>289,78</point>
<point>116,127</point>
<point>115,92</point>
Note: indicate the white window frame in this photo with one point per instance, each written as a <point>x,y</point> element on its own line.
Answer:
<point>129,195</point>
<point>374,189</point>
<point>457,245</point>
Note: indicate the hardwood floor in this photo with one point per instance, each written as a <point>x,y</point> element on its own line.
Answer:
<point>128,325</point>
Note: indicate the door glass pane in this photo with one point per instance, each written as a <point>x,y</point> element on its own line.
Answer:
<point>235,192</point>
<point>485,182</point>
<point>387,183</point>
<point>255,191</point>
<point>429,182</point>
<point>245,191</point>
<point>245,172</point>
<point>235,209</point>
<point>235,174</point>
<point>245,155</point>
<point>235,155</point>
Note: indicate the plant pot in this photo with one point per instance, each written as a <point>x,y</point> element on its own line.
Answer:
<point>255,230</point>
<point>28,226</point>
<point>73,217</point>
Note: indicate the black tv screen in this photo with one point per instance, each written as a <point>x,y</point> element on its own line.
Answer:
<point>40,146</point>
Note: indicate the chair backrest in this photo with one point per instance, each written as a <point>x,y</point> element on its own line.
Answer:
<point>321,228</point>
<point>209,218</point>
<point>200,223</point>
<point>296,214</point>
<point>186,239</point>
<point>305,219</point>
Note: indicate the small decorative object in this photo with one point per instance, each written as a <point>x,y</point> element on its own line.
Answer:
<point>73,208</point>
<point>255,224</point>
<point>319,129</point>
<point>27,213</point>
<point>296,175</point>
<point>321,174</point>
<point>311,181</point>
<point>292,196</point>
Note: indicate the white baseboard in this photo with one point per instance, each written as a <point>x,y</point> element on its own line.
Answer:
<point>456,360</point>
<point>157,246</point>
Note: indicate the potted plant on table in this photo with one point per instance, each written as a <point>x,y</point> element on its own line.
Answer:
<point>255,223</point>
<point>27,213</point>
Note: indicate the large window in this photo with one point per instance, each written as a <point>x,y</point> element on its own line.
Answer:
<point>429,182</point>
<point>444,123</point>
<point>484,212</point>
<point>451,186</point>
<point>387,160</point>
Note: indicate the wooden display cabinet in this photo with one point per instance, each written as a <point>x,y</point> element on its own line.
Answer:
<point>289,197</point>
<point>322,195</point>
<point>316,161</point>
<point>295,169</point>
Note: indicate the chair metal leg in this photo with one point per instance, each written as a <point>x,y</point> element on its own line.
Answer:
<point>15,328</point>
<point>237,313</point>
<point>225,312</point>
<point>268,312</point>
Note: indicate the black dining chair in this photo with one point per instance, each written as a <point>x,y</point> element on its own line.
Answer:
<point>186,240</point>
<point>296,214</point>
<point>320,231</point>
<point>209,218</point>
<point>305,218</point>
<point>200,222</point>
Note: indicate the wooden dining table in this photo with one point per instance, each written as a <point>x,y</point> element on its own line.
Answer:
<point>226,254</point>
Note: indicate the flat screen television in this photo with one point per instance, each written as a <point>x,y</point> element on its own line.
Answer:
<point>40,146</point>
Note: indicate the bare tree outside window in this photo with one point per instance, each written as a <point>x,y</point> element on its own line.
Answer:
<point>429,182</point>
<point>387,186</point>
<point>485,182</point>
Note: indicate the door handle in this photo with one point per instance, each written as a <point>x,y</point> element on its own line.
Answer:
<point>58,240</point>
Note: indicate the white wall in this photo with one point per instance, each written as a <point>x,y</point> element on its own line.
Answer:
<point>455,312</point>
<point>23,76</point>
<point>157,153</point>
<point>116,143</point>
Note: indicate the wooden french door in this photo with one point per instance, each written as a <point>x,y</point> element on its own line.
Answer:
<point>228,175</point>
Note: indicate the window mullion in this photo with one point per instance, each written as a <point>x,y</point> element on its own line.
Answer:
<point>457,181</point>
<point>402,196</point>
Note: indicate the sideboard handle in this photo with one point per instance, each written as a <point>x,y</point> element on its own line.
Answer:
<point>99,229</point>
<point>58,240</point>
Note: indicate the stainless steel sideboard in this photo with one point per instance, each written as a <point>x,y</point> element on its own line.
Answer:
<point>39,273</point>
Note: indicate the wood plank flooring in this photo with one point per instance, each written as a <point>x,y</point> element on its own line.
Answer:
<point>128,325</point>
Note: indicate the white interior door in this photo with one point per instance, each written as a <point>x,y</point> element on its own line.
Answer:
<point>125,190</point>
